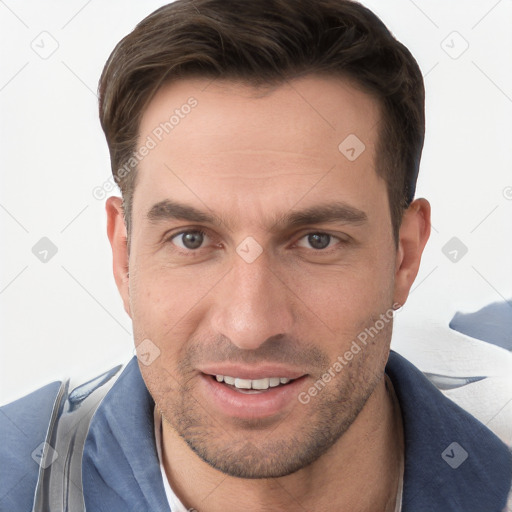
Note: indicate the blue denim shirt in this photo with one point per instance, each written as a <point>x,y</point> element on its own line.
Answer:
<point>121,470</point>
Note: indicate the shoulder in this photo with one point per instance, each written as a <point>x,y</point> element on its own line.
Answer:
<point>452,461</point>
<point>47,426</point>
<point>23,428</point>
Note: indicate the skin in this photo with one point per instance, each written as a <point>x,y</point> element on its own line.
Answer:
<point>249,158</point>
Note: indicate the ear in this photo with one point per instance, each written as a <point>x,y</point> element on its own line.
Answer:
<point>414,233</point>
<point>116,230</point>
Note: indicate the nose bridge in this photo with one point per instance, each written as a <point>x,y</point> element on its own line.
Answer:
<point>252,304</point>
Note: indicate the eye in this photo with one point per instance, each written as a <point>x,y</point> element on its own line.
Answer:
<point>189,240</point>
<point>317,241</point>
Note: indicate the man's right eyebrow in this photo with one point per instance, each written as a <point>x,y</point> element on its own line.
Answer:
<point>173,210</point>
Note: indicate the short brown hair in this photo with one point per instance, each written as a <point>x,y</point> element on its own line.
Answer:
<point>267,42</point>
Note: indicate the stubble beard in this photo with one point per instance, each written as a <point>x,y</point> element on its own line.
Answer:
<point>258,450</point>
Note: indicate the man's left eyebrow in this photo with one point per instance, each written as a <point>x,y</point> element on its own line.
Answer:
<point>328,213</point>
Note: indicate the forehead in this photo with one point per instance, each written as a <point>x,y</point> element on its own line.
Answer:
<point>308,137</point>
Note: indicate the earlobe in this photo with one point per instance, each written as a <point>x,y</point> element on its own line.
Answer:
<point>414,233</point>
<point>116,231</point>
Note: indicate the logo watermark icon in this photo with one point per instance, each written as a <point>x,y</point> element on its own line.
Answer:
<point>454,45</point>
<point>146,352</point>
<point>44,250</point>
<point>454,455</point>
<point>351,147</point>
<point>249,250</point>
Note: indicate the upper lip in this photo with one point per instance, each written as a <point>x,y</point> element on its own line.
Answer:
<point>260,371</point>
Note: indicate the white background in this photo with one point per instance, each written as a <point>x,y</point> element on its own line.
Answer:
<point>65,318</point>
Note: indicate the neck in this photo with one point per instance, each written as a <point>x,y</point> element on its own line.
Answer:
<point>359,473</point>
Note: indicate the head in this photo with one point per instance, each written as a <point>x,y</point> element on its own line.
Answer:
<point>267,154</point>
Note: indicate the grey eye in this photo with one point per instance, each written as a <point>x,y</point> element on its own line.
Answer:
<point>318,240</point>
<point>189,239</point>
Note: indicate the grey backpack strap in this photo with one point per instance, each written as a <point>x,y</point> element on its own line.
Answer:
<point>59,486</point>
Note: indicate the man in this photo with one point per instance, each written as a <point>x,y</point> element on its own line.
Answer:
<point>267,154</point>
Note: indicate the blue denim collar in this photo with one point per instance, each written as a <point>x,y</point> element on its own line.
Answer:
<point>121,470</point>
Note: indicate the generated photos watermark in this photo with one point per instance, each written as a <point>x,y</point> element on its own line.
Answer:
<point>157,135</point>
<point>343,360</point>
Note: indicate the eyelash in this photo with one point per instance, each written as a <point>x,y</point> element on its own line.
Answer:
<point>202,232</point>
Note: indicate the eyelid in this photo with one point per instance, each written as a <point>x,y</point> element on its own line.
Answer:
<point>171,233</point>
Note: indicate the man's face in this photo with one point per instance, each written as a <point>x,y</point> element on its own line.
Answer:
<point>261,251</point>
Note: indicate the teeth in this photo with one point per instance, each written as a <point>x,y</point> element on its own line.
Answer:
<point>243,383</point>
<point>259,384</point>
<point>274,381</point>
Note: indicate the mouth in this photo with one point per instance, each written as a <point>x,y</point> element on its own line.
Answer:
<point>250,394</point>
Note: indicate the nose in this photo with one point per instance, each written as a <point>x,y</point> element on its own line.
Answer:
<point>252,304</point>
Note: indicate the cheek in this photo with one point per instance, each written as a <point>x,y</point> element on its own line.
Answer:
<point>343,300</point>
<point>166,302</point>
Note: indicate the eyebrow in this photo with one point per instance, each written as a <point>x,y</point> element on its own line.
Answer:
<point>326,213</point>
<point>168,210</point>
<point>322,214</point>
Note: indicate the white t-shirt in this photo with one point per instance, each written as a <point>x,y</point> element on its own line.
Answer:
<point>174,502</point>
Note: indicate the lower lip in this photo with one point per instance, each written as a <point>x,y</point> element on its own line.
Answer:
<point>250,406</point>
